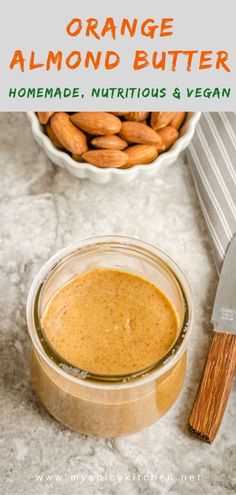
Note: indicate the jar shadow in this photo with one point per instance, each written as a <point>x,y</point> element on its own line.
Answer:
<point>16,387</point>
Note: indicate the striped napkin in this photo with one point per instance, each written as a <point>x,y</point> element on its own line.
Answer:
<point>212,158</point>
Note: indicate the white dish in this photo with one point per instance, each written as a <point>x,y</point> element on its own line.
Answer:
<point>115,175</point>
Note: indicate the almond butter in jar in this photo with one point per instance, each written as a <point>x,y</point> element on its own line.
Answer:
<point>115,396</point>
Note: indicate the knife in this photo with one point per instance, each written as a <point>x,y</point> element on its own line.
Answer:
<point>217,378</point>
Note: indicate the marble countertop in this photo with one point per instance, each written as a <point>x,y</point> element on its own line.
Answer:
<point>42,209</point>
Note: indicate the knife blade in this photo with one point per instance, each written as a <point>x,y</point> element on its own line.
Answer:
<point>224,309</point>
<point>218,373</point>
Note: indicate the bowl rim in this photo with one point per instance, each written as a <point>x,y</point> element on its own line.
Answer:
<point>69,163</point>
<point>45,271</point>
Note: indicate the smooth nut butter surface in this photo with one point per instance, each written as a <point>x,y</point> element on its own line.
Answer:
<point>109,322</point>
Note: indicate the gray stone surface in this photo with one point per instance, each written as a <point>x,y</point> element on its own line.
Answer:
<point>42,209</point>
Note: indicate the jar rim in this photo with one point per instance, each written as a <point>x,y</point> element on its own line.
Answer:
<point>69,371</point>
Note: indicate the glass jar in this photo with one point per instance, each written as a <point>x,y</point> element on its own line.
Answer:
<point>108,406</point>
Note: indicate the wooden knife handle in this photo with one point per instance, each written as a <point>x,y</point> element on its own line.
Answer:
<point>214,388</point>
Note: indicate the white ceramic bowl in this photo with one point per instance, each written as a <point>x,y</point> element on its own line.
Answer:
<point>115,175</point>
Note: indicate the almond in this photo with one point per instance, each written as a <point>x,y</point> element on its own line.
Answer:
<point>178,120</point>
<point>136,132</point>
<point>52,136</point>
<point>109,142</point>
<point>68,135</point>
<point>44,117</point>
<point>120,114</point>
<point>140,154</point>
<point>137,116</point>
<point>77,158</point>
<point>97,123</point>
<point>161,119</point>
<point>106,158</point>
<point>168,137</point>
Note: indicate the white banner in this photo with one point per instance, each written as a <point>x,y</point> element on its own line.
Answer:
<point>117,55</point>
